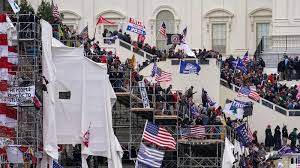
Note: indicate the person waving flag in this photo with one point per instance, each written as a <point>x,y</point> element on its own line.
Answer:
<point>163,30</point>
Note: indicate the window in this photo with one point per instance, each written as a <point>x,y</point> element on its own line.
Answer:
<point>168,18</point>
<point>219,37</point>
<point>64,95</point>
<point>262,29</point>
<point>111,28</point>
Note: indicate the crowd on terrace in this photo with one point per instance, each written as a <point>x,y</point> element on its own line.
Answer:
<point>191,113</point>
<point>266,85</point>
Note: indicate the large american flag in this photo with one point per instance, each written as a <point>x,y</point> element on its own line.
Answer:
<point>149,157</point>
<point>160,75</point>
<point>244,91</point>
<point>246,58</point>
<point>84,33</point>
<point>163,30</point>
<point>158,136</point>
<point>197,132</point>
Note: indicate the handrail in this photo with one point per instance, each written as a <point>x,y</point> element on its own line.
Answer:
<point>138,51</point>
<point>267,103</point>
<point>282,43</point>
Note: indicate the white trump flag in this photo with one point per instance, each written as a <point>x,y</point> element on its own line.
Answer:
<point>15,7</point>
<point>228,157</point>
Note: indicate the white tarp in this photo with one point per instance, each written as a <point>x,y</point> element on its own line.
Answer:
<point>90,103</point>
<point>228,157</point>
<point>49,71</point>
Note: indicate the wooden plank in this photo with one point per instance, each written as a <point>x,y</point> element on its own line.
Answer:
<point>122,94</point>
<point>200,141</point>
<point>141,109</point>
<point>165,117</point>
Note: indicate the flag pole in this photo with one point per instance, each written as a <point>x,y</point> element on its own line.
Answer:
<point>95,32</point>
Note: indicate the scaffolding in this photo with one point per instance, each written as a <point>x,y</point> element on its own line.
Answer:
<point>130,116</point>
<point>28,137</point>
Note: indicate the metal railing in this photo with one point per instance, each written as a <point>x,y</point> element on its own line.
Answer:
<point>138,51</point>
<point>281,43</point>
<point>120,80</point>
<point>264,102</point>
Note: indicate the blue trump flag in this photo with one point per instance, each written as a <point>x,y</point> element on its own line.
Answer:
<point>188,68</point>
<point>243,135</point>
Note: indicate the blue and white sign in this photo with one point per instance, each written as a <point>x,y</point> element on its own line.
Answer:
<point>243,135</point>
<point>136,26</point>
<point>144,95</point>
<point>188,68</point>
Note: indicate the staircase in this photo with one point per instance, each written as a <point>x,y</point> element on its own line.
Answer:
<point>130,116</point>
<point>264,111</point>
<point>125,51</point>
<point>272,49</point>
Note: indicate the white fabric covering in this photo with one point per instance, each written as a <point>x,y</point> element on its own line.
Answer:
<point>228,157</point>
<point>49,71</point>
<point>91,101</point>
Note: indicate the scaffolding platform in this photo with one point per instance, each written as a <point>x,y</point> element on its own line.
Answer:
<point>122,94</point>
<point>165,117</point>
<point>200,141</point>
<point>141,110</point>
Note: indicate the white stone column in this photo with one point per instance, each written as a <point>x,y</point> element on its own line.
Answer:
<point>286,17</point>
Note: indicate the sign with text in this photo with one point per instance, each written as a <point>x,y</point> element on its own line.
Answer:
<point>144,95</point>
<point>18,95</point>
<point>136,26</point>
<point>243,135</point>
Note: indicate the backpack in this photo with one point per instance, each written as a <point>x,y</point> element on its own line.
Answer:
<point>291,137</point>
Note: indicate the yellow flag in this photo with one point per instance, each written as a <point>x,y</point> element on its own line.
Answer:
<point>133,61</point>
<point>61,33</point>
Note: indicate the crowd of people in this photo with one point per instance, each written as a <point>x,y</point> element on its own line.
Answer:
<point>289,68</point>
<point>255,154</point>
<point>267,86</point>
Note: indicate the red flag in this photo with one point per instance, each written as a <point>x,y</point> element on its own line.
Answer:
<point>102,20</point>
<point>37,102</point>
<point>86,137</point>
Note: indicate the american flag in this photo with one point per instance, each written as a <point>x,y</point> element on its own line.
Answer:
<point>158,136</point>
<point>163,30</point>
<point>193,132</point>
<point>250,135</point>
<point>55,12</point>
<point>56,165</point>
<point>160,75</point>
<point>210,102</point>
<point>244,91</point>
<point>84,33</point>
<point>149,157</point>
<point>246,58</point>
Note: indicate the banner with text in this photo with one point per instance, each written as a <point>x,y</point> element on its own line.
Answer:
<point>18,95</point>
<point>243,135</point>
<point>144,94</point>
<point>136,26</point>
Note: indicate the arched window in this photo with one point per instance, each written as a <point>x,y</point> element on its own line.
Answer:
<point>71,19</point>
<point>261,19</point>
<point>167,17</point>
<point>219,25</point>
